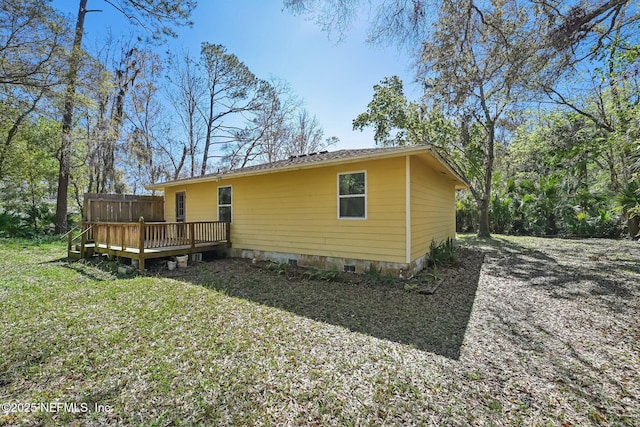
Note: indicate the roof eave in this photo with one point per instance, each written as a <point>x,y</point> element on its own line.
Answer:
<point>463,185</point>
<point>298,166</point>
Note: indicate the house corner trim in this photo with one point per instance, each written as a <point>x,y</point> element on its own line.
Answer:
<point>408,207</point>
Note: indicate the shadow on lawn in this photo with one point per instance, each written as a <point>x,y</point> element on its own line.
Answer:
<point>567,311</point>
<point>434,323</point>
<point>588,267</point>
<point>97,268</point>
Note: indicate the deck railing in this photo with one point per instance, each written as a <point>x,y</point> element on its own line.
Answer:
<point>156,235</point>
<point>85,234</point>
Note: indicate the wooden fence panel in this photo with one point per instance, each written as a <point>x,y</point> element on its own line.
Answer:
<point>122,208</point>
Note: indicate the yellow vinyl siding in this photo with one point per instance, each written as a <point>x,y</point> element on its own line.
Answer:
<point>297,212</point>
<point>291,208</point>
<point>201,201</point>
<point>170,204</point>
<point>432,206</point>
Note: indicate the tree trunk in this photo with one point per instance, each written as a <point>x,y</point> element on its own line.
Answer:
<point>67,124</point>
<point>207,140</point>
<point>484,229</point>
<point>634,226</point>
<point>483,219</point>
<point>192,146</point>
<point>205,155</point>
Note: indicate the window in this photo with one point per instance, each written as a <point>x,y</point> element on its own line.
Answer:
<point>352,195</point>
<point>224,204</point>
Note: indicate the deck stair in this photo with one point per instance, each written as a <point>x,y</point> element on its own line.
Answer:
<point>80,246</point>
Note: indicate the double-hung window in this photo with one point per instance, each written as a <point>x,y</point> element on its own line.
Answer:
<point>352,195</point>
<point>224,204</point>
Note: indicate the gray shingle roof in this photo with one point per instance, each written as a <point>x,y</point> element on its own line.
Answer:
<point>322,156</point>
<point>304,160</point>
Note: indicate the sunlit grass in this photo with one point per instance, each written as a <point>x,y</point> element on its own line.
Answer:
<point>170,351</point>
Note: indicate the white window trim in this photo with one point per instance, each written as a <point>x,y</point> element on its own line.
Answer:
<point>218,201</point>
<point>366,199</point>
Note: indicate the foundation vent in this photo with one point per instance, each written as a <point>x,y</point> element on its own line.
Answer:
<point>349,268</point>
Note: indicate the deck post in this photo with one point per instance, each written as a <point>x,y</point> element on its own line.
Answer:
<point>192,234</point>
<point>141,244</point>
<point>227,232</point>
<point>122,231</point>
<point>69,240</point>
<point>83,241</point>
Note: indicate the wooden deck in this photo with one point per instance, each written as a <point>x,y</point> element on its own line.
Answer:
<point>140,240</point>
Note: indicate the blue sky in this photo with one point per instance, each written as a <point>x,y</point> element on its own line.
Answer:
<point>334,79</point>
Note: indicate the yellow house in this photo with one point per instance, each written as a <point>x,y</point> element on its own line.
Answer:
<point>348,209</point>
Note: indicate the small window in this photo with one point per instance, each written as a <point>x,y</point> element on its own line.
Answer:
<point>352,195</point>
<point>224,204</point>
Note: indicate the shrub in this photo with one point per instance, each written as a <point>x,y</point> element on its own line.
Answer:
<point>34,222</point>
<point>326,275</point>
<point>376,277</point>
<point>604,224</point>
<point>445,252</point>
<point>500,216</point>
<point>279,267</point>
<point>13,226</point>
<point>466,215</point>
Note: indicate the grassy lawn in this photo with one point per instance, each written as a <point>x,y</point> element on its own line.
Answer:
<point>544,332</point>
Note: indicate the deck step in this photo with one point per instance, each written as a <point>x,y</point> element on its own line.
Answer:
<point>78,246</point>
<point>72,254</point>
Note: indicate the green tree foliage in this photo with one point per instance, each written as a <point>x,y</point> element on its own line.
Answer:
<point>388,113</point>
<point>485,63</point>
<point>32,50</point>
<point>29,180</point>
<point>478,63</point>
<point>558,182</point>
<point>32,39</point>
<point>31,43</point>
<point>398,121</point>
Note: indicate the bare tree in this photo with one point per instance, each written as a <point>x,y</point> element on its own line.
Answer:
<point>118,71</point>
<point>231,90</point>
<point>265,135</point>
<point>149,127</point>
<point>305,135</point>
<point>153,16</point>
<point>187,88</point>
<point>280,128</point>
